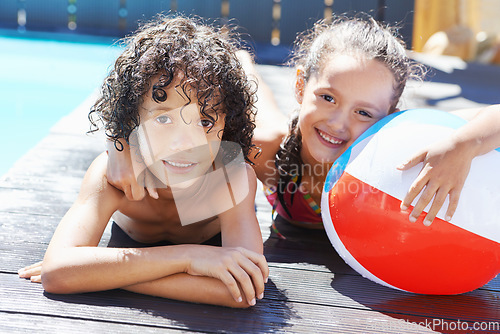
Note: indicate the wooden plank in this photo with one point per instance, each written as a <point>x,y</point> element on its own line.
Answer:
<point>47,203</point>
<point>118,306</point>
<point>25,323</point>
<point>24,237</point>
<point>355,292</point>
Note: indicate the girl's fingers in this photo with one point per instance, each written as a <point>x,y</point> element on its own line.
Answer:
<point>423,201</point>
<point>412,193</point>
<point>128,192</point>
<point>137,191</point>
<point>436,206</point>
<point>150,186</point>
<point>452,207</point>
<point>412,162</point>
<point>152,192</point>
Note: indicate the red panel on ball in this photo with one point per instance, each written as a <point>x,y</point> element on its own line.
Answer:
<point>437,259</point>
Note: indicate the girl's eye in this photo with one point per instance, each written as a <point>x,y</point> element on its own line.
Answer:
<point>206,123</point>
<point>364,113</point>
<point>163,119</point>
<point>328,98</point>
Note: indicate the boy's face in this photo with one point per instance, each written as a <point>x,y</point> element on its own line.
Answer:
<point>177,143</point>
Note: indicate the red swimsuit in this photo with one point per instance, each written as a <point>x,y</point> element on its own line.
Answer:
<point>304,209</point>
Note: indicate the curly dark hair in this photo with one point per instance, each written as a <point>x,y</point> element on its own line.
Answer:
<point>177,46</point>
<point>360,35</point>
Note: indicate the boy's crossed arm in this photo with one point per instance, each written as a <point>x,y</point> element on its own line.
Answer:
<point>73,263</point>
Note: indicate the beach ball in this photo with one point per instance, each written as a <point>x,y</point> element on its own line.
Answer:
<point>361,211</point>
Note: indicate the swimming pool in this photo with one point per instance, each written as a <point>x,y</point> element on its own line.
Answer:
<point>43,78</point>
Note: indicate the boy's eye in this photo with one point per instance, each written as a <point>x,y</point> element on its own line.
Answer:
<point>163,119</point>
<point>328,98</point>
<point>206,123</point>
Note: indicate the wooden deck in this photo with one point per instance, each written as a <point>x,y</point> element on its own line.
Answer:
<point>310,288</point>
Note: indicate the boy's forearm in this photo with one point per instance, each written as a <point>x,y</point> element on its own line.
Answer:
<point>85,269</point>
<point>189,288</point>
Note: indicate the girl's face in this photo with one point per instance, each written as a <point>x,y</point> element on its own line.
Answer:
<point>338,104</point>
<point>177,143</point>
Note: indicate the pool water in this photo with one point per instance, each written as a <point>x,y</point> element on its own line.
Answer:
<point>42,80</point>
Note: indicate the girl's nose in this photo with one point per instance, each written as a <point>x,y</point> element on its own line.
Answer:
<point>338,120</point>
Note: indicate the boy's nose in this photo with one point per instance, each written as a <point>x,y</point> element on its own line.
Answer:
<point>186,138</point>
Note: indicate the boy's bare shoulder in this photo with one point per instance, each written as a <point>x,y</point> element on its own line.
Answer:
<point>95,182</point>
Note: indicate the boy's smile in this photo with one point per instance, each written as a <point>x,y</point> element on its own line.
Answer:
<point>177,143</point>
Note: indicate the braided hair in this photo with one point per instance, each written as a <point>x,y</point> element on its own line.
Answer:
<point>361,35</point>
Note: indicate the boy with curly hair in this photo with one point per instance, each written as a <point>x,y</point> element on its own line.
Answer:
<point>180,98</point>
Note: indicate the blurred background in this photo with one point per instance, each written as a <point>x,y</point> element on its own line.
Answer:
<point>55,53</point>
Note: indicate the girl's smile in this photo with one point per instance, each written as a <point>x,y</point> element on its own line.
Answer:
<point>339,103</point>
<point>330,140</point>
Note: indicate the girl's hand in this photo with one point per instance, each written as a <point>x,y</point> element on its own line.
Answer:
<point>445,169</point>
<point>33,272</point>
<point>120,174</point>
<point>235,267</point>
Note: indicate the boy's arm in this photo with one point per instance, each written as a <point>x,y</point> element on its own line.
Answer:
<point>190,288</point>
<point>73,263</point>
<point>447,163</point>
<point>240,228</point>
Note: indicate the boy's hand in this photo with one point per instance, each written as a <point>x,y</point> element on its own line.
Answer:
<point>445,169</point>
<point>33,272</point>
<point>235,267</point>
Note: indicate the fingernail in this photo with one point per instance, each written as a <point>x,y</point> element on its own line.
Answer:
<point>267,278</point>
<point>447,218</point>
<point>261,296</point>
<point>412,219</point>
<point>21,272</point>
<point>402,165</point>
<point>427,222</point>
<point>252,302</point>
<point>404,207</point>
<point>239,300</point>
